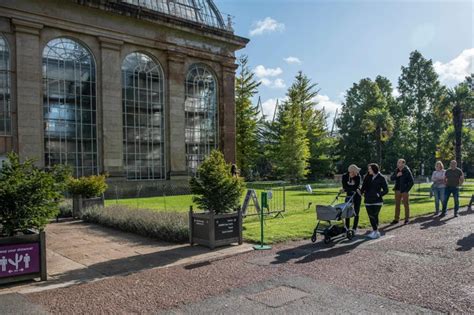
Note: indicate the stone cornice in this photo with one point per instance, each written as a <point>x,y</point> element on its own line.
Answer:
<point>28,27</point>
<point>230,68</point>
<point>176,57</point>
<point>110,43</point>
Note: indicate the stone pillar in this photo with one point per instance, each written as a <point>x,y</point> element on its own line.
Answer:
<point>111,105</point>
<point>227,114</point>
<point>29,98</point>
<point>176,123</point>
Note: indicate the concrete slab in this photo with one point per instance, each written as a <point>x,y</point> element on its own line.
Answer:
<point>298,295</point>
<point>17,304</point>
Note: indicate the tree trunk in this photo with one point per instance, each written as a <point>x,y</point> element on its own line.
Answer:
<point>457,123</point>
<point>379,147</point>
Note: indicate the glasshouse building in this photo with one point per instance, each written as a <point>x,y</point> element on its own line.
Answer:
<point>140,89</point>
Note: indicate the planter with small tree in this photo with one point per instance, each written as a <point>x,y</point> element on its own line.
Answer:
<point>87,192</point>
<point>218,194</point>
<point>29,198</point>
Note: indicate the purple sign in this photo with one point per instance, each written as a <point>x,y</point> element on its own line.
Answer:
<point>19,259</point>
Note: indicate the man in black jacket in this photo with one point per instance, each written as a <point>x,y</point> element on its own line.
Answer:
<point>403,183</point>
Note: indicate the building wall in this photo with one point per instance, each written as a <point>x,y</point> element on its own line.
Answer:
<point>28,26</point>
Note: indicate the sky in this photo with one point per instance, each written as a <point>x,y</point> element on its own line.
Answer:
<point>338,42</point>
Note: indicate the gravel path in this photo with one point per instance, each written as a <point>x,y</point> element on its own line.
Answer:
<point>428,263</point>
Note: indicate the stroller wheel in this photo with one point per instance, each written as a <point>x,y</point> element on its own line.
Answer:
<point>313,237</point>
<point>350,234</point>
<point>327,240</point>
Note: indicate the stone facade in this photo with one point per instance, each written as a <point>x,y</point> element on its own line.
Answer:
<point>111,30</point>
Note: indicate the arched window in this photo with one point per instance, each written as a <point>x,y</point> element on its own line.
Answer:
<point>143,118</point>
<point>69,106</point>
<point>5,105</point>
<point>200,115</point>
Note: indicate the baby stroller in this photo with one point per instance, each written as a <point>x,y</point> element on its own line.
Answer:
<point>330,213</point>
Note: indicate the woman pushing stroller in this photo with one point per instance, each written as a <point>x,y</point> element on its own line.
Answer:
<point>351,184</point>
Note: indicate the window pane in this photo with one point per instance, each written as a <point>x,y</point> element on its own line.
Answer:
<point>69,106</point>
<point>142,96</point>
<point>200,115</point>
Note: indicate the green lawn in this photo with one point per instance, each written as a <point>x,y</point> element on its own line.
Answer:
<point>299,220</point>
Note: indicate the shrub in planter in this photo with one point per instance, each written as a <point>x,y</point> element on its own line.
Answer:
<point>87,186</point>
<point>214,187</point>
<point>29,197</point>
<point>218,193</point>
<point>87,192</point>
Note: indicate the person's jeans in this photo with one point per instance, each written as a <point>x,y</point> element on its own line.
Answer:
<point>455,192</point>
<point>373,212</point>
<point>399,196</point>
<point>439,197</point>
<point>357,200</point>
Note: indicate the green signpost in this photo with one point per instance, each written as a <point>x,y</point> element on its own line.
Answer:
<point>264,204</point>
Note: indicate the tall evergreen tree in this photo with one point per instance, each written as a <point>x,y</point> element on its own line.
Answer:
<point>247,119</point>
<point>420,95</point>
<point>293,146</point>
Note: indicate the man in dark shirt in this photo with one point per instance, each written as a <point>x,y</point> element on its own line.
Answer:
<point>454,177</point>
<point>403,183</point>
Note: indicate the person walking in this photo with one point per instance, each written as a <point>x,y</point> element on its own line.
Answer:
<point>351,184</point>
<point>454,177</point>
<point>374,188</point>
<point>403,183</point>
<point>439,185</point>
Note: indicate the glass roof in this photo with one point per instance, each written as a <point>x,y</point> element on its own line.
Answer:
<point>199,11</point>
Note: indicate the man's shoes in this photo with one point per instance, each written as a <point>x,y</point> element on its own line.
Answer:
<point>455,214</point>
<point>406,222</point>
<point>442,215</point>
<point>394,222</point>
<point>436,213</point>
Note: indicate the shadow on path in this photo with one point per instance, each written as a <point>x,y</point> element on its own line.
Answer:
<point>466,243</point>
<point>310,252</point>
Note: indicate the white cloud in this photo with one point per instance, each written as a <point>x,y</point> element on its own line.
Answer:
<point>293,60</point>
<point>330,107</point>
<point>267,25</point>
<point>395,92</point>
<point>279,84</point>
<point>262,72</point>
<point>456,70</point>
<point>274,84</point>
<point>269,108</point>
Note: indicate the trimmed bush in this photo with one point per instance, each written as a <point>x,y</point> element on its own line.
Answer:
<point>87,186</point>
<point>165,226</point>
<point>214,187</point>
<point>29,197</point>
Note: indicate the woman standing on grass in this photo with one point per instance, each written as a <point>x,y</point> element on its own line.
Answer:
<point>351,182</point>
<point>439,185</point>
<point>374,188</point>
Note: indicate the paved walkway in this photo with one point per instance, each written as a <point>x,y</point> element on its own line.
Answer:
<point>425,267</point>
<point>79,252</point>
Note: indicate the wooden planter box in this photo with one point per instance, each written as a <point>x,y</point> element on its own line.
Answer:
<point>213,230</point>
<point>23,257</point>
<point>79,204</point>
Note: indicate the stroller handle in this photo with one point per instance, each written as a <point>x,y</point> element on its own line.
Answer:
<point>339,194</point>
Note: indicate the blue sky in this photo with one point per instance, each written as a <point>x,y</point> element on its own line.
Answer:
<point>337,43</point>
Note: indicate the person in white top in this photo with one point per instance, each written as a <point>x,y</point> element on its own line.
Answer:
<point>439,185</point>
